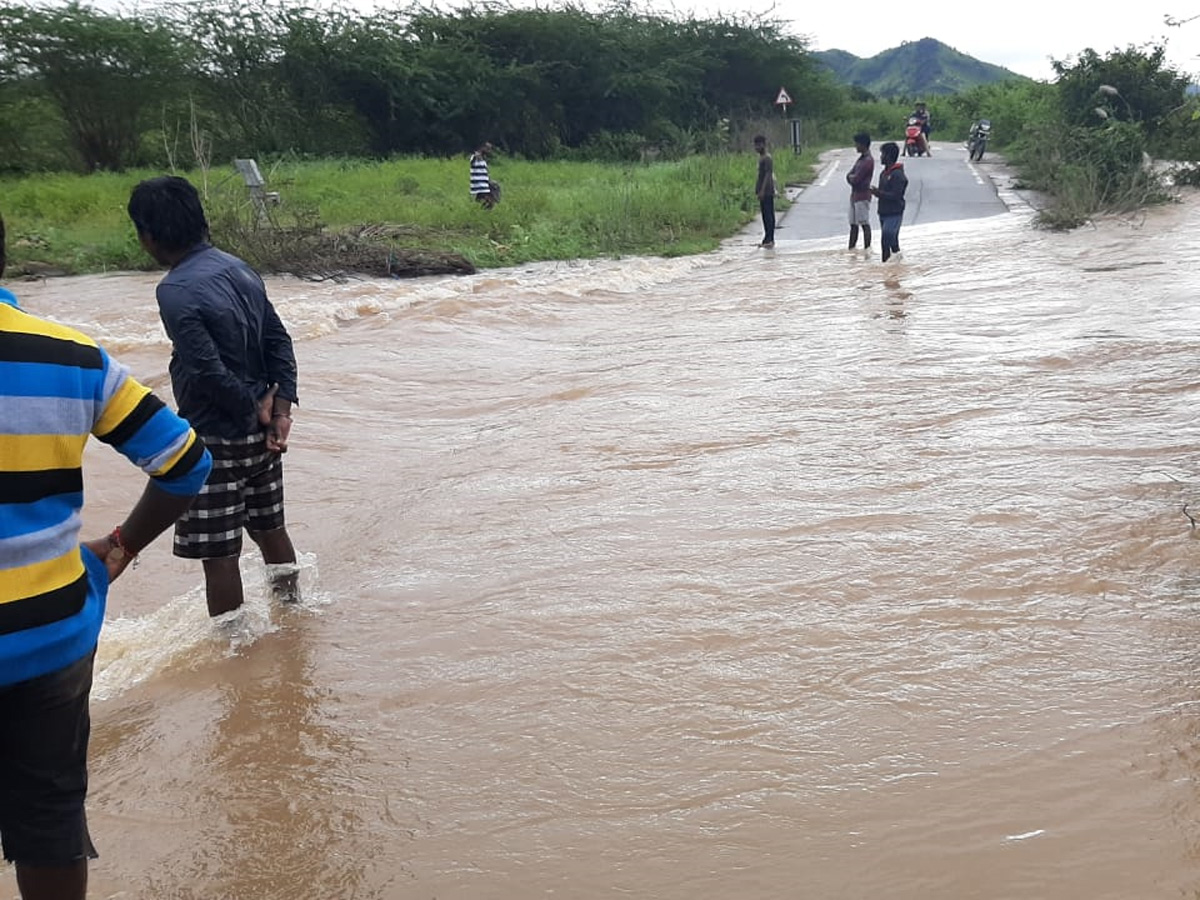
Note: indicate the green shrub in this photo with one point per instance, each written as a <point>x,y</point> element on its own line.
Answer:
<point>1088,170</point>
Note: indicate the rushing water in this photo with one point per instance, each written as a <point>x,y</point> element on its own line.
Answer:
<point>744,576</point>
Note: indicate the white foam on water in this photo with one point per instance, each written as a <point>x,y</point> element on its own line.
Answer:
<point>181,633</point>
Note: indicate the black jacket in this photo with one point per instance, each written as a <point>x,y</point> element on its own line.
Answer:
<point>892,185</point>
<point>229,345</point>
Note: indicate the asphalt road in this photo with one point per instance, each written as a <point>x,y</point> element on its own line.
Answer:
<point>942,187</point>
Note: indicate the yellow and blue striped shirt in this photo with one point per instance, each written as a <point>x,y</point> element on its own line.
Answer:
<point>57,387</point>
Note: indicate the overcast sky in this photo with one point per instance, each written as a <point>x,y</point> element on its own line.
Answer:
<point>1021,35</point>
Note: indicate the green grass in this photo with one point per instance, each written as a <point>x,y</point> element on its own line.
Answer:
<point>549,210</point>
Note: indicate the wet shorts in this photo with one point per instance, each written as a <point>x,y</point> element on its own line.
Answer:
<point>43,767</point>
<point>244,490</point>
<point>860,212</point>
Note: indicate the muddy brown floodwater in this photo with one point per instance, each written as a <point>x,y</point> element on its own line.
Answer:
<point>722,577</point>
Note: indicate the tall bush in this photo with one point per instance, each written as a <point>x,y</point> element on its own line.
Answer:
<point>108,75</point>
<point>263,77</point>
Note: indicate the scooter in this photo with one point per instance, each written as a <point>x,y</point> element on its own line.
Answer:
<point>914,139</point>
<point>978,138</point>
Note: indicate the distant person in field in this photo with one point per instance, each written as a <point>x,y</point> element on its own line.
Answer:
<point>483,189</point>
<point>764,189</point>
<point>890,193</point>
<point>859,179</point>
<point>58,388</point>
<point>233,371</point>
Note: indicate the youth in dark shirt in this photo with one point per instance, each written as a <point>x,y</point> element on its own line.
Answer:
<point>233,371</point>
<point>764,189</point>
<point>859,179</point>
<point>890,193</point>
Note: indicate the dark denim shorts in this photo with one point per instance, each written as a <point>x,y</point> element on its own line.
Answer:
<point>43,767</point>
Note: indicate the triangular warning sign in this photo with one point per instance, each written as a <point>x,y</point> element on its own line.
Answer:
<point>784,98</point>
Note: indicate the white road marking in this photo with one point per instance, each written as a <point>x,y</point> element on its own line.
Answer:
<point>829,170</point>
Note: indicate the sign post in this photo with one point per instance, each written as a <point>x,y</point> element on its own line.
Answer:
<point>783,99</point>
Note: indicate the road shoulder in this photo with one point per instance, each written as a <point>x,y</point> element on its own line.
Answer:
<point>1007,181</point>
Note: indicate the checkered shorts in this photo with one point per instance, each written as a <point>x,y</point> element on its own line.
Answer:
<point>245,490</point>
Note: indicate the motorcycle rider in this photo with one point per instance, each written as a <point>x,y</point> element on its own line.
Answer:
<point>914,139</point>
<point>921,114</point>
<point>977,137</point>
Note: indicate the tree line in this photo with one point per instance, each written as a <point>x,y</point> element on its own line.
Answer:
<point>1088,138</point>
<point>174,86</point>
<point>86,89</point>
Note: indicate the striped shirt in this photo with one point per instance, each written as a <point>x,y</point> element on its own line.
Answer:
<point>57,387</point>
<point>480,182</point>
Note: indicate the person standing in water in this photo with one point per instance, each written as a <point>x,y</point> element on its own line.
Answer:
<point>233,371</point>
<point>859,179</point>
<point>58,387</point>
<point>764,189</point>
<point>890,191</point>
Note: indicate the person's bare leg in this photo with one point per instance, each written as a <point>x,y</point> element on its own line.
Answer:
<point>222,584</point>
<point>277,550</point>
<point>67,882</point>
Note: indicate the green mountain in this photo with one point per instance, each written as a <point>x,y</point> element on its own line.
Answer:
<point>914,69</point>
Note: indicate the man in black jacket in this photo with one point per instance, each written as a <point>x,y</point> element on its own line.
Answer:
<point>233,371</point>
<point>890,192</point>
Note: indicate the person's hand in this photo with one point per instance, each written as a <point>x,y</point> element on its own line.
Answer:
<point>265,404</point>
<point>278,430</point>
<point>116,563</point>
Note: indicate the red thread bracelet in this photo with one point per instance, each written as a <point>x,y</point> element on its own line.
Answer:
<point>117,541</point>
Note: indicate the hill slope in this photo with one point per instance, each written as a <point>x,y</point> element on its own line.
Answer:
<point>915,68</point>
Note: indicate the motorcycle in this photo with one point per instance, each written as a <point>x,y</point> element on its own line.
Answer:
<point>914,138</point>
<point>977,139</point>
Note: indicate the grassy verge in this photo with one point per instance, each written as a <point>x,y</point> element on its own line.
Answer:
<point>69,224</point>
<point>1087,171</point>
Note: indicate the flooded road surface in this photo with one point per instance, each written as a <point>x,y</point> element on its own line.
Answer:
<point>745,576</point>
<point>944,187</point>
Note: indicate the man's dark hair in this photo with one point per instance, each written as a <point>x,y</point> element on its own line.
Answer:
<point>3,257</point>
<point>862,139</point>
<point>760,139</point>
<point>168,209</point>
<point>889,152</point>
